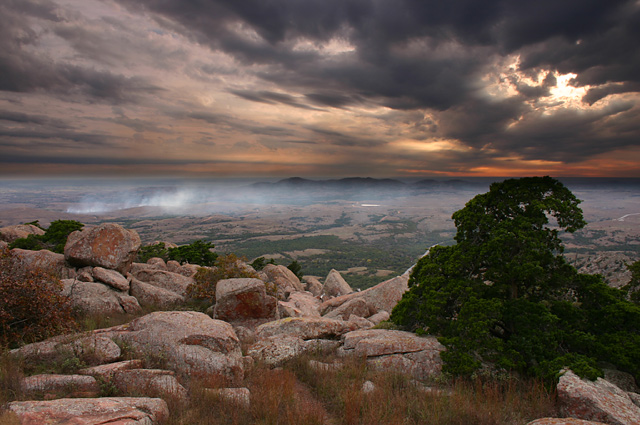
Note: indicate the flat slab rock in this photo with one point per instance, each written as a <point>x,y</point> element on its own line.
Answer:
<point>305,328</point>
<point>380,342</point>
<point>53,349</point>
<point>278,349</point>
<point>52,385</point>
<point>91,411</point>
<point>397,351</point>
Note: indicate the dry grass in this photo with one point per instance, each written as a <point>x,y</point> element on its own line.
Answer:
<point>301,394</point>
<point>11,375</point>
<point>398,400</point>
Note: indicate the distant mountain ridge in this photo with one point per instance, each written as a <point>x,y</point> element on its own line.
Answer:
<point>354,183</point>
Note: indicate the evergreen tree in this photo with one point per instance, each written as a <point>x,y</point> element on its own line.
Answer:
<point>503,297</point>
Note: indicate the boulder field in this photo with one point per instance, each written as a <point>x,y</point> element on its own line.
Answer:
<point>271,319</point>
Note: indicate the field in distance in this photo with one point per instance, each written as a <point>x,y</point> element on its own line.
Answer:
<point>369,229</point>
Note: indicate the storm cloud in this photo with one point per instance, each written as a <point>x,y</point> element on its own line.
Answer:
<point>409,87</point>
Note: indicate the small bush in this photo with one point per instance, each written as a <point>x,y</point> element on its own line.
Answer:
<point>54,238</point>
<point>260,263</point>
<point>31,305</point>
<point>226,267</point>
<point>198,252</point>
<point>296,268</point>
<point>152,251</point>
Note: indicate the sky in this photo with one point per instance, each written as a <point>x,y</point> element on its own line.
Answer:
<point>332,88</point>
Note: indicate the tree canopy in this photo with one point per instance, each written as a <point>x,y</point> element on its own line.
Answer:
<point>503,297</point>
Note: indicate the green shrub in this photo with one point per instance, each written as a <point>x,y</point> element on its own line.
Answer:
<point>198,252</point>
<point>260,262</point>
<point>54,238</point>
<point>226,267</point>
<point>296,268</point>
<point>157,250</point>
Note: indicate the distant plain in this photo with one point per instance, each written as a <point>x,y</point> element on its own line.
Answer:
<point>367,229</point>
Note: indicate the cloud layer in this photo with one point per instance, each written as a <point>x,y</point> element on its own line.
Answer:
<point>320,87</point>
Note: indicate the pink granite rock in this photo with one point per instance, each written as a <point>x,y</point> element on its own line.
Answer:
<point>398,351</point>
<point>150,383</point>
<point>170,281</point>
<point>188,342</point>
<point>95,298</point>
<point>109,245</point>
<point>52,386</point>
<point>312,285</point>
<point>356,306</point>
<point>300,304</point>
<point>305,328</point>
<point>111,278</point>
<point>106,371</point>
<point>599,400</point>
<point>88,348</point>
<point>382,297</point>
<point>154,296</point>
<point>244,298</point>
<point>335,285</point>
<point>18,231</point>
<point>283,279</point>
<point>91,411</point>
<point>44,260</point>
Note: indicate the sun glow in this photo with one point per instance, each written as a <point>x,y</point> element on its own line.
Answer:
<point>507,80</point>
<point>430,146</point>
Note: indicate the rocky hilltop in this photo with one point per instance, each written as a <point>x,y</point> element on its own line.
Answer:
<point>271,319</point>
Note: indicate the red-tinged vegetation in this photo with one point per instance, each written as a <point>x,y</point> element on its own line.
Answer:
<point>31,305</point>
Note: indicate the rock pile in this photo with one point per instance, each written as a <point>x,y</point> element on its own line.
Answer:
<point>274,318</point>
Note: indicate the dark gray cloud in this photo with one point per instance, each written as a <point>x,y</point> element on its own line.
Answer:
<point>25,70</point>
<point>595,38</point>
<point>336,138</point>
<point>272,98</point>
<point>34,119</point>
<point>485,74</point>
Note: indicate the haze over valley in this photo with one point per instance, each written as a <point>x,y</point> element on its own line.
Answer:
<point>366,228</point>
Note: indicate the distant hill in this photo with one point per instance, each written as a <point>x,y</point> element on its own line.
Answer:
<point>345,183</point>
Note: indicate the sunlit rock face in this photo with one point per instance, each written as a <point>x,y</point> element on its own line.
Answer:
<point>109,245</point>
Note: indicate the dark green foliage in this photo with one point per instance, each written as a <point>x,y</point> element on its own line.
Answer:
<point>198,252</point>
<point>633,287</point>
<point>31,242</point>
<point>58,232</point>
<point>260,262</point>
<point>35,223</point>
<point>504,298</point>
<point>157,250</point>
<point>54,238</point>
<point>296,268</point>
